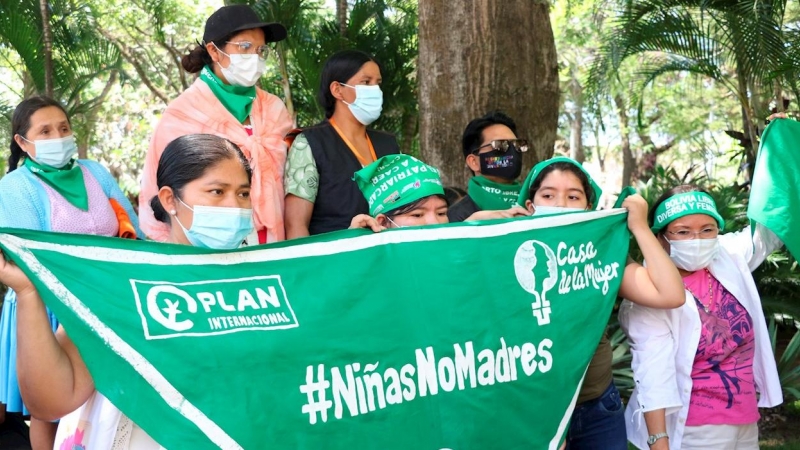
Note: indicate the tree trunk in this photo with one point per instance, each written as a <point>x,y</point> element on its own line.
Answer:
<point>287,89</point>
<point>628,161</point>
<point>749,124</point>
<point>410,126</point>
<point>48,48</point>
<point>576,126</point>
<point>341,16</point>
<point>472,60</point>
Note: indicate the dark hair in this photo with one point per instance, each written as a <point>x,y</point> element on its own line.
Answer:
<point>195,60</point>
<point>473,134</point>
<point>21,123</point>
<point>680,189</point>
<point>340,67</point>
<point>411,206</point>
<point>186,159</point>
<point>453,194</point>
<point>565,167</point>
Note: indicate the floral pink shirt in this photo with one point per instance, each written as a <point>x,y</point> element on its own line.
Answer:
<point>723,387</point>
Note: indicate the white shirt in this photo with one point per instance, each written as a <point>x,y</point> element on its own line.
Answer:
<point>664,341</point>
<point>98,424</point>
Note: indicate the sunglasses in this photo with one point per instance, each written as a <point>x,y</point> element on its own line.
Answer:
<point>502,145</point>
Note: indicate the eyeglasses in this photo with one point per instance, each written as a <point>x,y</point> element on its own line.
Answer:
<point>502,145</point>
<point>684,235</point>
<point>244,47</point>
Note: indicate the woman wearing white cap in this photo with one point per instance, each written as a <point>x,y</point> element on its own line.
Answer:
<point>225,101</point>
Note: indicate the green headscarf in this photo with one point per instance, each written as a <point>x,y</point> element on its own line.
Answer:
<point>238,100</point>
<point>685,204</point>
<point>537,169</point>
<point>397,180</point>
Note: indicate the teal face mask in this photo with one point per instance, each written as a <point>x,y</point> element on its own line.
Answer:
<point>368,104</point>
<point>218,228</point>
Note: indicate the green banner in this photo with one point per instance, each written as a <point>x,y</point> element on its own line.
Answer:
<point>774,197</point>
<point>462,336</point>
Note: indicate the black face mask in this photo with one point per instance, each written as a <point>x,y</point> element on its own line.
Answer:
<point>506,165</point>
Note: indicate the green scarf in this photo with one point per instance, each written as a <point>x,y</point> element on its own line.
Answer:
<point>67,181</point>
<point>491,196</point>
<point>238,100</point>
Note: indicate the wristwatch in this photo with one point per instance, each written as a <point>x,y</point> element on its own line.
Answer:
<point>654,437</point>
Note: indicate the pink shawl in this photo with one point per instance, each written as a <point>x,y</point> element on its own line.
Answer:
<point>197,110</point>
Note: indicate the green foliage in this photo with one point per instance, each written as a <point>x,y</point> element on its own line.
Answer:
<point>788,363</point>
<point>621,357</point>
<point>81,56</point>
<point>743,45</point>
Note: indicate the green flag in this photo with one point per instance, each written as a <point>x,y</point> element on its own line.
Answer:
<point>774,194</point>
<point>457,336</point>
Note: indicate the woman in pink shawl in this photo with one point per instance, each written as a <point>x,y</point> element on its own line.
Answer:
<point>224,101</point>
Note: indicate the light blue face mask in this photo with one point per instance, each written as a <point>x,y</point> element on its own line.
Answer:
<point>368,104</point>
<point>550,210</point>
<point>218,228</point>
<point>54,152</point>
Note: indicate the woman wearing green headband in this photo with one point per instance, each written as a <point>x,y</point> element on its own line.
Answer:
<point>702,370</point>
<point>559,185</point>
<point>402,191</point>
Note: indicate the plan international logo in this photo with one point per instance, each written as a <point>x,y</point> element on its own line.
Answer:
<point>205,308</point>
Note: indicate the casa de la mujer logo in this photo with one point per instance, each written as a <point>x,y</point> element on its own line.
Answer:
<point>525,263</point>
<point>540,271</point>
<point>203,308</point>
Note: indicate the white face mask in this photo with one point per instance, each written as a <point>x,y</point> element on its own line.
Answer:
<point>694,254</point>
<point>54,152</point>
<point>550,210</point>
<point>243,70</point>
<point>368,104</point>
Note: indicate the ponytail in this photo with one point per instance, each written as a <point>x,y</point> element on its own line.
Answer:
<point>16,155</point>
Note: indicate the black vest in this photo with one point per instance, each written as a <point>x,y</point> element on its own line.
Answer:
<point>338,197</point>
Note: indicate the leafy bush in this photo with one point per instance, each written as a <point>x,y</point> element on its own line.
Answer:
<point>789,361</point>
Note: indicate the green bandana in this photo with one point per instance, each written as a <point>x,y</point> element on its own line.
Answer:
<point>67,181</point>
<point>490,196</point>
<point>397,180</point>
<point>537,169</point>
<point>627,192</point>
<point>680,205</point>
<point>238,100</point>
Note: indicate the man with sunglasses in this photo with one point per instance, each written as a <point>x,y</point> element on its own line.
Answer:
<point>494,155</point>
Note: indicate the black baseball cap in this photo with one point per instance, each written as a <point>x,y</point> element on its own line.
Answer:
<point>234,18</point>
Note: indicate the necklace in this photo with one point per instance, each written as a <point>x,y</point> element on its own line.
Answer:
<point>710,294</point>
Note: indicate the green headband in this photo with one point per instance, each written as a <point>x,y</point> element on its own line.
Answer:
<point>397,180</point>
<point>538,168</point>
<point>685,204</point>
